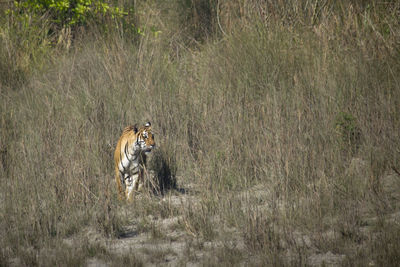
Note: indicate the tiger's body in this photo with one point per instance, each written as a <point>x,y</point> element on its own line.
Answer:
<point>130,159</point>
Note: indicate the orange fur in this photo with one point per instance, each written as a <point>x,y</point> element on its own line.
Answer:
<point>126,142</point>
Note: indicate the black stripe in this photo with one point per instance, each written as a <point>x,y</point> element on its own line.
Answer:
<point>129,176</point>
<point>121,178</point>
<point>135,173</point>
<point>137,139</point>
<point>120,159</point>
<point>134,157</point>
<point>122,164</point>
<point>125,150</point>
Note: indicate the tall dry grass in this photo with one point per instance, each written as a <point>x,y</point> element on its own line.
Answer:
<point>285,97</point>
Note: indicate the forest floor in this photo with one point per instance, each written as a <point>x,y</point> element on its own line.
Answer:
<point>170,240</point>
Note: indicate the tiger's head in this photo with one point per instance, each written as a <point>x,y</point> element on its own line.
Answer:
<point>145,138</point>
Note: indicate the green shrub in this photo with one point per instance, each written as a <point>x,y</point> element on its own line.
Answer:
<point>69,12</point>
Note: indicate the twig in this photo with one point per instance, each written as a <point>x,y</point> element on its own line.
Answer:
<point>395,170</point>
<point>147,174</point>
<point>188,229</point>
<point>87,189</point>
<point>219,24</point>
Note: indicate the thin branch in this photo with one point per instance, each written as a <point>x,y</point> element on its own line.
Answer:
<point>219,24</point>
<point>395,170</point>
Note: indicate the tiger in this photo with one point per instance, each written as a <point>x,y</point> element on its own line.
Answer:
<point>130,157</point>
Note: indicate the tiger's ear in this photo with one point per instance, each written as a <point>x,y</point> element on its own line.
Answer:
<point>148,124</point>
<point>135,129</point>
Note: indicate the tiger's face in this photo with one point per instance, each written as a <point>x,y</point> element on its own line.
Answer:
<point>146,138</point>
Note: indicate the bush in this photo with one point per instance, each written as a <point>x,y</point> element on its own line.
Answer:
<point>69,12</point>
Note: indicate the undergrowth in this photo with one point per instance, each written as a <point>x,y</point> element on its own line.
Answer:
<point>298,101</point>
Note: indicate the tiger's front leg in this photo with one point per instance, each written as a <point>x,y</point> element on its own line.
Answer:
<point>131,185</point>
<point>119,179</point>
<point>140,182</point>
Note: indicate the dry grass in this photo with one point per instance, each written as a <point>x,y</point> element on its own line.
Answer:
<point>277,125</point>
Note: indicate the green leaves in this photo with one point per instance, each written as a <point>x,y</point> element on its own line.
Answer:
<point>70,12</point>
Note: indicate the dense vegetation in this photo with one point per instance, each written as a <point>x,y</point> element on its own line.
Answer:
<point>280,118</point>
